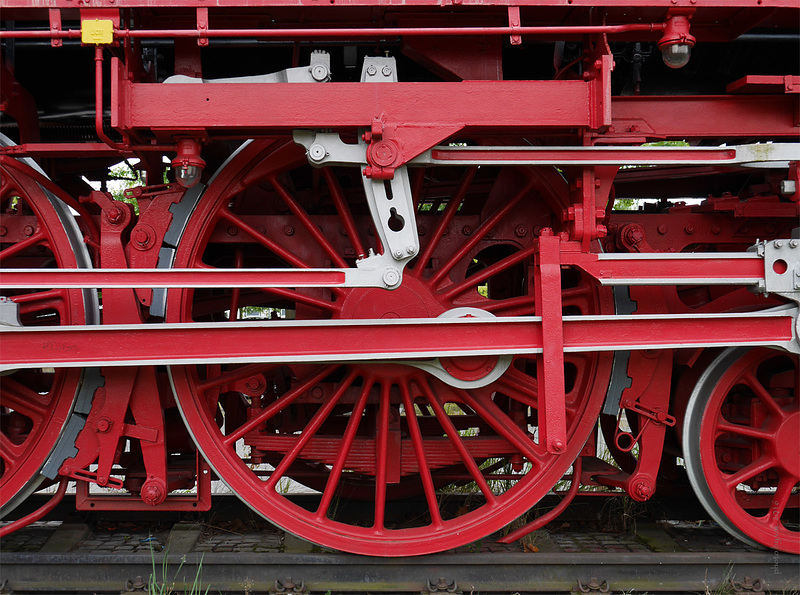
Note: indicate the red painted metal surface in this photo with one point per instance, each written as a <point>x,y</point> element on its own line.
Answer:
<point>419,338</point>
<point>749,440</point>
<point>565,303</point>
<point>170,278</point>
<point>35,404</point>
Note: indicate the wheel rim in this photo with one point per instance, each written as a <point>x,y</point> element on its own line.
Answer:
<point>35,404</point>
<point>742,447</point>
<point>328,425</point>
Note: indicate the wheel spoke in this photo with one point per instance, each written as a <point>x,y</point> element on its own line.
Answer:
<point>419,452</point>
<point>520,387</point>
<point>344,212</point>
<point>309,431</point>
<point>10,452</point>
<point>523,305</point>
<point>477,236</point>
<point>458,443</point>
<point>306,221</point>
<point>781,498</point>
<point>382,457</point>
<point>37,238</point>
<point>748,471</point>
<point>490,271</point>
<point>33,297</point>
<point>501,423</point>
<point>300,298</point>
<point>23,400</point>
<point>282,402</point>
<point>444,221</point>
<point>285,255</point>
<point>750,432</point>
<point>763,394</point>
<point>344,451</point>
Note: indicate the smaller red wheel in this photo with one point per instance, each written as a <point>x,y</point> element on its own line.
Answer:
<point>741,444</point>
<point>35,405</point>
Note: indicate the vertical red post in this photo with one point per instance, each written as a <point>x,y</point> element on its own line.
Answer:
<point>550,366</point>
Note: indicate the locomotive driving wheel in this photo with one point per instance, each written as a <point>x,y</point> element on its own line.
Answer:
<point>379,432</point>
<point>36,230</point>
<point>741,443</point>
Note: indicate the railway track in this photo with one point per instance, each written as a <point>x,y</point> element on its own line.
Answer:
<point>232,552</point>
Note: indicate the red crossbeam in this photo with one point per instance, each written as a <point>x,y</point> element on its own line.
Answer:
<point>306,105</point>
<point>334,341</point>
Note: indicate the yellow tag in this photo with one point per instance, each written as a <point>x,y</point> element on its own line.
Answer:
<point>97,32</point>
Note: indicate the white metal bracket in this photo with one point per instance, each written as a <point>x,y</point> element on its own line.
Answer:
<point>390,203</point>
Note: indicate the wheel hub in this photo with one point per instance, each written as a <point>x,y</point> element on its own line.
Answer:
<point>787,443</point>
<point>412,299</point>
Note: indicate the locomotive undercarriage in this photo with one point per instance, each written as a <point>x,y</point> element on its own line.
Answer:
<point>403,290</point>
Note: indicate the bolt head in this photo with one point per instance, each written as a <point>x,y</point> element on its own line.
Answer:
<point>391,277</point>
<point>788,187</point>
<point>643,490</point>
<point>411,250</point>
<point>387,71</point>
<point>152,493</point>
<point>317,152</point>
<point>115,214</point>
<point>778,244</point>
<point>319,72</point>
<point>794,243</point>
<point>371,70</point>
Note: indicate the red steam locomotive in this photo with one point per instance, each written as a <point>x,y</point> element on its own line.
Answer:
<point>373,252</point>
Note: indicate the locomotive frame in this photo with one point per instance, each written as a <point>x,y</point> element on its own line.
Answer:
<point>447,298</point>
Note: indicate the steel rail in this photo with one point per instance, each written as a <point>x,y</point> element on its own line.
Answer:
<point>378,340</point>
<point>243,572</point>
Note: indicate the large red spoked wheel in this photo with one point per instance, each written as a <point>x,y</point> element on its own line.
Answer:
<point>378,432</point>
<point>741,444</point>
<point>36,230</point>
